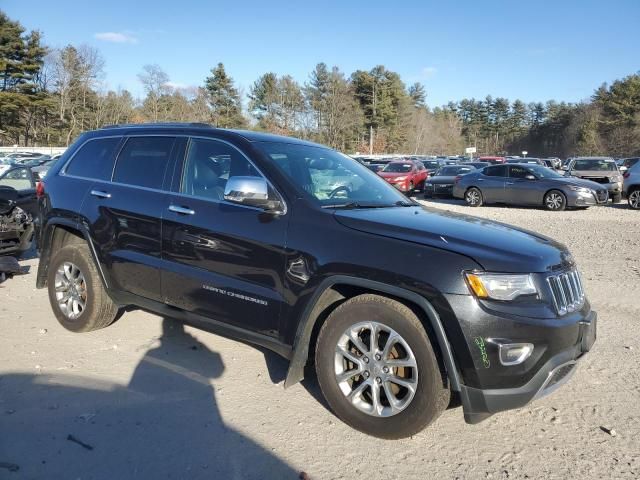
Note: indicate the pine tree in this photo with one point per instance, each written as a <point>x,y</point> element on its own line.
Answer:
<point>224,100</point>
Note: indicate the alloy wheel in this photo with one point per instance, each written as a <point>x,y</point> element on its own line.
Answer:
<point>634,199</point>
<point>375,369</point>
<point>554,201</point>
<point>71,290</point>
<point>473,197</point>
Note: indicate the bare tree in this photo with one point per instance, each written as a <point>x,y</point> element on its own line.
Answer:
<point>154,81</point>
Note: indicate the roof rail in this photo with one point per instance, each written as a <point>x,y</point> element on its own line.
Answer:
<point>158,124</point>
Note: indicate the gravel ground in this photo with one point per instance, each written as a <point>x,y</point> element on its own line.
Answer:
<point>150,399</point>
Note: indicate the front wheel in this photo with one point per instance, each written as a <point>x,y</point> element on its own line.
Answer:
<point>616,198</point>
<point>555,201</point>
<point>377,369</point>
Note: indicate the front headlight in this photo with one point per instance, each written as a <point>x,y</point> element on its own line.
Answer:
<point>579,189</point>
<point>500,286</point>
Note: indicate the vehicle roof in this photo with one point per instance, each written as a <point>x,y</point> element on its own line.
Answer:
<point>592,158</point>
<point>248,135</point>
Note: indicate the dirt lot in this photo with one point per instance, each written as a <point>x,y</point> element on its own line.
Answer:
<point>151,399</point>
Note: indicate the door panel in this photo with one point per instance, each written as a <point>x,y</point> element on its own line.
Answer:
<point>222,260</point>
<point>520,190</point>
<point>125,216</point>
<point>492,183</point>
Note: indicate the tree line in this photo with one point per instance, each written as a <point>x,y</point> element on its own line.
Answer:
<point>49,96</point>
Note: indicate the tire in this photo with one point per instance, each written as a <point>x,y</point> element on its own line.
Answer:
<point>414,411</point>
<point>473,197</point>
<point>412,188</point>
<point>428,194</point>
<point>98,309</point>
<point>616,198</point>
<point>555,201</point>
<point>634,198</point>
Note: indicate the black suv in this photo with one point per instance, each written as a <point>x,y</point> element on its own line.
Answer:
<point>300,249</point>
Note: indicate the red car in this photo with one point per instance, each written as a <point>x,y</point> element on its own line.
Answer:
<point>405,175</point>
<point>492,160</point>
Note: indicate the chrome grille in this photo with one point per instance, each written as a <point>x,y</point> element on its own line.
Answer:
<point>566,289</point>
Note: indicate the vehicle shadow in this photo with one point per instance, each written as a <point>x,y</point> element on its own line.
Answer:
<point>164,424</point>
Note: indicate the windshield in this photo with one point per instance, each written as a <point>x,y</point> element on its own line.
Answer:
<point>398,167</point>
<point>450,171</point>
<point>543,172</point>
<point>595,164</point>
<point>331,178</point>
<point>431,163</point>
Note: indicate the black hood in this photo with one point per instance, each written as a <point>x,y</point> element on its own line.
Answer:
<point>495,246</point>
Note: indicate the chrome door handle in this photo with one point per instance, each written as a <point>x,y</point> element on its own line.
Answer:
<point>181,210</point>
<point>510,183</point>
<point>100,194</point>
<point>481,179</point>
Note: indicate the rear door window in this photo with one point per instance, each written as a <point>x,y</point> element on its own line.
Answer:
<point>94,159</point>
<point>143,161</point>
<point>497,171</point>
<point>516,171</point>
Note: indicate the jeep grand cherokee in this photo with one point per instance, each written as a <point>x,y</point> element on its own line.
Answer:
<point>244,234</point>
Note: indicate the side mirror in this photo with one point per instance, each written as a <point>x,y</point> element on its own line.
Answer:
<point>251,191</point>
<point>530,177</point>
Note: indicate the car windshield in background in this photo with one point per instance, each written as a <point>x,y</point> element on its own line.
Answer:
<point>332,179</point>
<point>449,171</point>
<point>398,167</point>
<point>431,164</point>
<point>600,165</point>
<point>543,172</point>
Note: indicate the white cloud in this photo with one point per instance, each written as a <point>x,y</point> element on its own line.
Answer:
<point>116,37</point>
<point>428,72</point>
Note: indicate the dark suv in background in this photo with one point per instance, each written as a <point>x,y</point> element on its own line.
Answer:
<point>243,234</point>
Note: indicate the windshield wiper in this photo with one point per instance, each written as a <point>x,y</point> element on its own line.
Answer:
<point>354,205</point>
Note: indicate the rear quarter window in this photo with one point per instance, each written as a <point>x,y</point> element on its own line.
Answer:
<point>94,159</point>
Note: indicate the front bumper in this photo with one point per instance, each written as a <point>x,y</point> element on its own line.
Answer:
<point>490,387</point>
<point>445,189</point>
<point>579,199</point>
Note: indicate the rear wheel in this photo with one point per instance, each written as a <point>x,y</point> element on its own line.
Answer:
<point>555,200</point>
<point>634,198</point>
<point>77,296</point>
<point>377,369</point>
<point>473,197</point>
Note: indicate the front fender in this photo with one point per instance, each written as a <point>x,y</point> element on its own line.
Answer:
<point>319,301</point>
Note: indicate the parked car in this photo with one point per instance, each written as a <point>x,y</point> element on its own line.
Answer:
<point>396,306</point>
<point>477,165</point>
<point>406,175</point>
<point>18,208</point>
<point>602,170</point>
<point>555,162</point>
<point>441,183</point>
<point>626,163</point>
<point>631,185</point>
<point>432,165</point>
<point>526,184</point>
<point>527,160</point>
<point>491,160</point>
<point>40,171</point>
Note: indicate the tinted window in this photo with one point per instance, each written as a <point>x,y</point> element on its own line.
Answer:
<point>210,164</point>
<point>143,161</point>
<point>398,167</point>
<point>497,171</point>
<point>518,172</point>
<point>94,159</point>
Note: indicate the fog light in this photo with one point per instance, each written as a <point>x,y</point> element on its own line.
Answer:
<point>515,353</point>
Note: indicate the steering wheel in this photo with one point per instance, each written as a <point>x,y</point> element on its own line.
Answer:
<point>341,188</point>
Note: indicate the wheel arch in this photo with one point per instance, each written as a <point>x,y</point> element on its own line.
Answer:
<point>56,233</point>
<point>331,292</point>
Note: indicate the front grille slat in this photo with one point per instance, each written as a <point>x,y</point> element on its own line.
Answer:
<point>567,291</point>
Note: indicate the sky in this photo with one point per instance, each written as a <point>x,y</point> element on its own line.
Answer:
<point>534,51</point>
